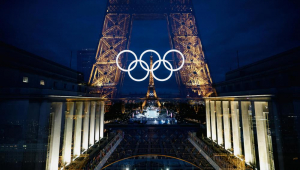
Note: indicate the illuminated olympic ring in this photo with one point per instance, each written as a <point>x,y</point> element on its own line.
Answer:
<point>153,68</point>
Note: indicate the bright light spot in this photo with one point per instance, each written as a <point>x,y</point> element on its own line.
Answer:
<point>147,68</point>
<point>25,79</point>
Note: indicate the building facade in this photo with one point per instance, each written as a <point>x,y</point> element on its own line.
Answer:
<point>26,74</point>
<point>243,125</point>
<point>276,76</point>
<point>46,117</point>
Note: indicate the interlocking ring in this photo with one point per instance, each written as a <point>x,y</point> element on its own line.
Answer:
<point>153,68</point>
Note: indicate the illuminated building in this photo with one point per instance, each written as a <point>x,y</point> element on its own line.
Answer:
<point>275,76</point>
<point>243,126</point>
<point>42,109</point>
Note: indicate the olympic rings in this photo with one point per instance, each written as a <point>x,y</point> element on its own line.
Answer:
<point>153,68</point>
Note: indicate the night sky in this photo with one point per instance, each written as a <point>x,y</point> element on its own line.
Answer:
<point>257,29</point>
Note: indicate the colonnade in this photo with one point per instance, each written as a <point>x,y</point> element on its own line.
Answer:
<point>241,127</point>
<point>80,123</point>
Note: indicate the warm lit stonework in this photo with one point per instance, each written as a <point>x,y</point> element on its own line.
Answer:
<point>102,95</point>
<point>245,113</point>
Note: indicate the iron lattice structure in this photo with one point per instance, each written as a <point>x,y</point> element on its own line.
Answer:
<point>151,92</point>
<point>193,79</point>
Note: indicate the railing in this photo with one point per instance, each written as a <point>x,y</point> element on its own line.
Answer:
<point>104,152</point>
<point>91,157</point>
<point>225,160</point>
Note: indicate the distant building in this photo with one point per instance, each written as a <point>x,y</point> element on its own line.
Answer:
<point>23,73</point>
<point>85,61</point>
<point>278,75</point>
<point>246,88</point>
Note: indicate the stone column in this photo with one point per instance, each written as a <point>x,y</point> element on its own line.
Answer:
<point>67,145</point>
<point>208,126</point>
<point>92,123</point>
<point>78,127</point>
<point>227,129</point>
<point>263,138</point>
<point>102,105</point>
<point>53,152</point>
<point>236,133</point>
<point>97,126</point>
<point>219,123</point>
<point>85,138</point>
<point>213,121</point>
<point>248,132</point>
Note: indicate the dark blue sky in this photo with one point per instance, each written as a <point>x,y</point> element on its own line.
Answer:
<point>150,34</point>
<point>257,29</point>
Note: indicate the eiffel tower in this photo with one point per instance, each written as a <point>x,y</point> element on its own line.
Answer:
<point>193,79</point>
<point>151,93</point>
